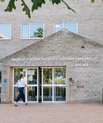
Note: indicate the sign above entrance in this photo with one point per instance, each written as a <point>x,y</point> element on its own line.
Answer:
<point>51,59</point>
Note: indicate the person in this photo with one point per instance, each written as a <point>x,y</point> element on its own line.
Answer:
<point>21,84</point>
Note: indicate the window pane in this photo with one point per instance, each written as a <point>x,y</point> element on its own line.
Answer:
<point>36,30</point>
<point>72,26</point>
<point>5,32</point>
<point>58,27</point>
<point>32,93</point>
<point>25,31</point>
<point>32,76</point>
<point>60,94</point>
<point>47,76</point>
<point>17,73</point>
<point>16,92</point>
<point>60,75</point>
<point>47,93</point>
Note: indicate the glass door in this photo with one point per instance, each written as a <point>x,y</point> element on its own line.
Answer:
<point>32,84</point>
<point>47,84</point>
<point>31,78</point>
<point>17,73</point>
<point>59,84</point>
<point>53,84</point>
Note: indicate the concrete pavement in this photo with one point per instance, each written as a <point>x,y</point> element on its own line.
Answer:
<point>51,113</point>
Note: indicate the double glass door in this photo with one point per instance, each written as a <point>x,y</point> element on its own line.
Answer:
<point>44,84</point>
<point>54,84</point>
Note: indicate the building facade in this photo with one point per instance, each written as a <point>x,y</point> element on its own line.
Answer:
<point>18,34</point>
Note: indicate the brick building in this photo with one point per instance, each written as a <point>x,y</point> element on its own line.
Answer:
<point>35,48</point>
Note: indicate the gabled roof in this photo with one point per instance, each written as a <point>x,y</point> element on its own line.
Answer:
<point>62,41</point>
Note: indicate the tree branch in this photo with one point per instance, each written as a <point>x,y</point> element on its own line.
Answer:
<point>68,6</point>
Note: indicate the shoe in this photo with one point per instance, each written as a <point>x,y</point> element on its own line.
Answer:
<point>26,103</point>
<point>16,105</point>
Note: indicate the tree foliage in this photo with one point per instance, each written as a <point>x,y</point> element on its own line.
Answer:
<point>39,33</point>
<point>94,1</point>
<point>35,5</point>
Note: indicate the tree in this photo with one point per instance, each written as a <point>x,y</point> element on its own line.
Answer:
<point>39,33</point>
<point>35,5</point>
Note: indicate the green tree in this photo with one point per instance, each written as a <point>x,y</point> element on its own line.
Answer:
<point>35,5</point>
<point>39,33</point>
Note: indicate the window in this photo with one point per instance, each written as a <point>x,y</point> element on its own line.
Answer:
<point>71,26</point>
<point>5,31</point>
<point>32,31</point>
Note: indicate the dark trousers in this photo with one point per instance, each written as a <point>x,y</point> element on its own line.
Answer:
<point>21,94</point>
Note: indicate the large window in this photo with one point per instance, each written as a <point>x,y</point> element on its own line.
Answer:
<point>5,31</point>
<point>71,26</point>
<point>32,31</point>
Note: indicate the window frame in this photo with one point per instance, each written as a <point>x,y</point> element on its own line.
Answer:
<point>21,28</point>
<point>10,32</point>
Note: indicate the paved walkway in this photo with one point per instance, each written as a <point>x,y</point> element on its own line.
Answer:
<point>51,113</point>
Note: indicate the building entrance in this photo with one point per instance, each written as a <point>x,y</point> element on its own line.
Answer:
<point>44,84</point>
